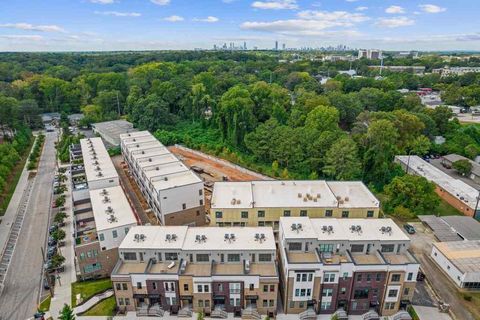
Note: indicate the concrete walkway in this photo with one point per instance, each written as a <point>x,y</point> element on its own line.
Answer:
<point>93,301</point>
<point>63,282</point>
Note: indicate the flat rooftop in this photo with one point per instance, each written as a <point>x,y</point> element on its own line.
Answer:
<point>332,229</point>
<point>457,188</point>
<point>453,228</point>
<point>164,169</point>
<point>174,180</point>
<point>199,238</point>
<point>155,150</point>
<point>111,130</point>
<point>291,194</point>
<point>152,160</point>
<point>97,162</point>
<point>111,208</point>
<point>465,255</point>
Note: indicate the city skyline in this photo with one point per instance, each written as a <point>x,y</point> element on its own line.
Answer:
<point>106,25</point>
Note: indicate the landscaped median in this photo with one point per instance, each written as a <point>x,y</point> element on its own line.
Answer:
<point>36,152</point>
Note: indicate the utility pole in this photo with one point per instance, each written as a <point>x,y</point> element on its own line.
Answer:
<point>118,105</point>
<point>46,275</point>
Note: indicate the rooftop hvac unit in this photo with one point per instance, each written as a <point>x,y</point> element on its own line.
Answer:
<point>299,195</point>
<point>296,227</point>
<point>106,199</point>
<point>97,168</point>
<point>165,178</point>
<point>233,201</point>
<point>95,162</point>
<point>157,168</point>
<point>230,237</point>
<point>314,199</point>
<point>346,199</point>
<point>238,201</point>
<point>142,237</point>
<point>318,195</point>
<point>305,199</point>
<point>143,152</point>
<point>138,146</point>
<point>109,209</point>
<point>338,197</point>
<point>134,140</point>
<point>104,192</point>
<point>257,236</point>
<point>149,159</point>
<point>99,174</point>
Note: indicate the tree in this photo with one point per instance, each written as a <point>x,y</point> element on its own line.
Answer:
<point>57,261</point>
<point>342,161</point>
<point>463,166</point>
<point>66,313</point>
<point>411,192</point>
<point>58,235</point>
<point>419,146</point>
<point>472,151</point>
<point>60,217</point>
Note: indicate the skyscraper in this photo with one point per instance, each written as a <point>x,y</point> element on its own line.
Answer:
<point>276,45</point>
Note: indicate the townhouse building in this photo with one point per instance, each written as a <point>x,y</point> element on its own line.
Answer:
<point>182,269</point>
<point>172,190</point>
<point>101,212</point>
<point>345,266</point>
<point>262,203</point>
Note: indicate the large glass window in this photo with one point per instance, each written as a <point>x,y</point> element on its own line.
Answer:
<point>130,256</point>
<point>326,247</point>
<point>171,256</point>
<point>356,248</point>
<point>264,257</point>
<point>294,246</point>
<point>233,257</point>
<point>202,257</point>
<point>360,294</point>
<point>387,248</point>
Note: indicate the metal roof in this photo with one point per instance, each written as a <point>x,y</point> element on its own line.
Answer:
<point>440,228</point>
<point>453,228</point>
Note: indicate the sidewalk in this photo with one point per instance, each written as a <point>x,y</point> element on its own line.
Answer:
<point>63,291</point>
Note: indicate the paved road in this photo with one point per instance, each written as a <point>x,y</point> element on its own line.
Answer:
<point>19,298</point>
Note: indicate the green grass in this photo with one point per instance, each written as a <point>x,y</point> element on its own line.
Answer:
<point>88,289</point>
<point>104,308</point>
<point>473,305</point>
<point>44,306</point>
<point>445,209</point>
<point>12,181</point>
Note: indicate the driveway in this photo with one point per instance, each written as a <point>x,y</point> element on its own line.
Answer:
<point>20,295</point>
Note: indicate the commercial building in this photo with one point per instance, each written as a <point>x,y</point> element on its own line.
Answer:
<point>262,203</point>
<point>449,159</point>
<point>452,228</point>
<point>410,69</point>
<point>455,71</point>
<point>460,260</point>
<point>110,131</point>
<point>370,54</point>
<point>456,192</point>
<point>345,266</point>
<point>173,191</point>
<point>183,269</point>
<point>102,213</point>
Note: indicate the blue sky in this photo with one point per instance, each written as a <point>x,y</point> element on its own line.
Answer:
<point>44,25</point>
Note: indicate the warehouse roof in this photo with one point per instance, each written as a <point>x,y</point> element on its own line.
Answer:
<point>453,228</point>
<point>291,193</point>
<point>111,130</point>
<point>465,255</point>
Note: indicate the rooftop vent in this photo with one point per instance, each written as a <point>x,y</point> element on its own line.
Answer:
<point>356,228</point>
<point>327,229</point>
<point>99,174</point>
<point>233,201</point>
<point>138,237</point>
<point>165,178</point>
<point>95,162</point>
<point>200,238</point>
<point>134,139</point>
<point>346,199</point>
<point>149,159</point>
<point>171,237</point>
<point>143,152</point>
<point>109,210</point>
<point>104,192</point>
<point>230,237</point>
<point>260,237</point>
<point>112,219</point>
<point>297,227</point>
<point>97,168</point>
<point>106,199</point>
<point>386,229</point>
<point>299,195</point>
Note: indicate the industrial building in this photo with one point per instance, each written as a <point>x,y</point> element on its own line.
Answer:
<point>172,190</point>
<point>181,269</point>
<point>262,203</point>
<point>110,131</point>
<point>345,267</point>
<point>455,71</point>
<point>454,191</point>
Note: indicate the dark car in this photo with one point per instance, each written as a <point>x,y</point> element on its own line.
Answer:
<point>52,229</point>
<point>39,316</point>
<point>51,242</point>
<point>51,252</point>
<point>409,228</point>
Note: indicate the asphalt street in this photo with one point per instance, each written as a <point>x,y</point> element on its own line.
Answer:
<point>22,285</point>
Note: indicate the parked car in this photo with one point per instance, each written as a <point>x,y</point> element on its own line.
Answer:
<point>51,241</point>
<point>409,228</point>
<point>51,251</point>
<point>39,315</point>
<point>52,229</point>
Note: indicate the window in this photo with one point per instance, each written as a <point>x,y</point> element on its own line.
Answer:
<point>327,292</point>
<point>200,303</point>
<point>292,304</point>
<point>286,213</point>
<point>233,257</point>
<point>395,277</point>
<point>244,214</point>
<point>114,234</point>
<point>360,294</point>
<point>328,213</point>
<point>301,304</point>
<point>359,277</point>
<point>329,277</point>
<point>200,288</point>
<point>356,248</point>
<point>325,305</point>
<point>264,257</point>
<point>171,256</point>
<point>343,290</point>
<point>101,237</point>
<point>139,285</point>
<point>124,286</point>
<point>261,223</point>
<point>410,276</point>
<point>206,288</point>
<point>201,203</point>
<point>345,275</point>
<point>185,287</point>
<point>272,288</point>
<point>294,246</point>
<point>271,303</point>
<point>200,192</point>
<point>184,206</point>
<point>118,286</point>
<point>392,293</point>
<point>202,257</point>
<point>154,285</point>
<point>369,277</point>
<point>207,303</point>
<point>326,248</point>
<point>120,301</point>
<point>345,214</point>
<point>218,214</point>
<point>234,288</point>
<point>389,305</point>
<point>169,286</point>
<point>265,303</point>
<point>265,288</point>
<point>261,214</point>
<point>406,291</point>
<point>126,230</point>
<point>251,287</point>
<point>369,213</point>
<point>387,248</point>
<point>303,213</point>
<point>378,277</point>
<point>127,301</point>
<point>130,256</point>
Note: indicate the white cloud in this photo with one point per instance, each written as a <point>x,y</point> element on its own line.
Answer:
<point>395,10</point>
<point>118,14</point>
<point>361,8</point>
<point>160,2</point>
<point>431,8</point>
<point>309,23</point>
<point>209,19</point>
<point>395,22</point>
<point>31,27</point>
<point>102,1</point>
<point>174,18</point>
<point>275,4</point>
<point>23,37</point>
